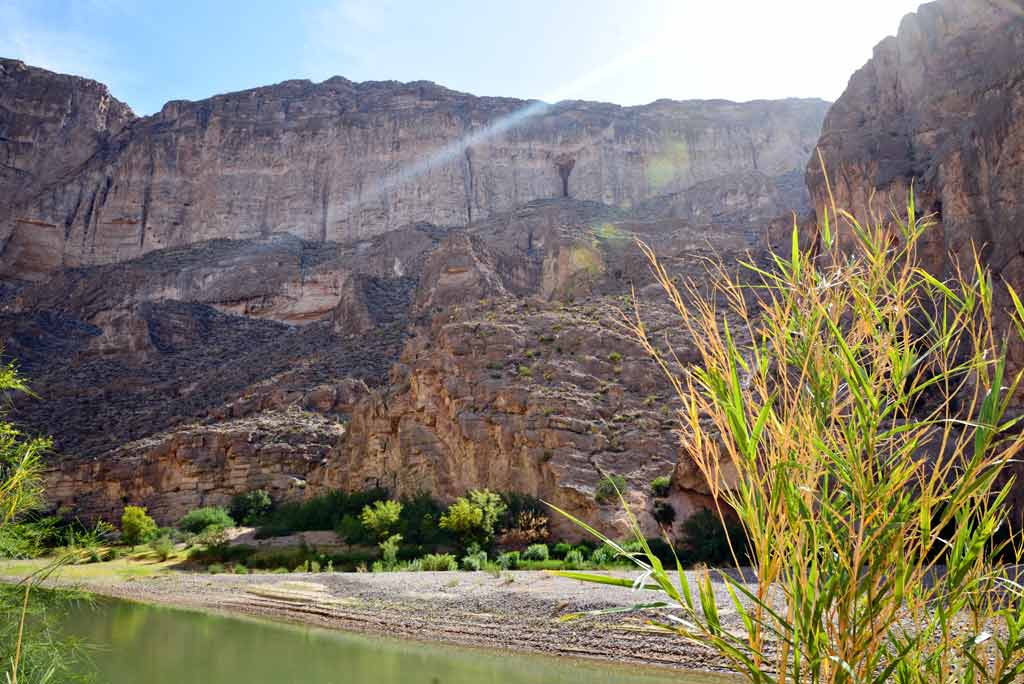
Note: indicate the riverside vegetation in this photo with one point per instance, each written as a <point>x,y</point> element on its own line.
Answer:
<point>852,411</point>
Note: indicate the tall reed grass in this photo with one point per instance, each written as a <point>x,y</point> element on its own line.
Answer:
<point>852,410</point>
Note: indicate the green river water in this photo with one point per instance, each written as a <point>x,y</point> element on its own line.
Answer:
<point>143,644</point>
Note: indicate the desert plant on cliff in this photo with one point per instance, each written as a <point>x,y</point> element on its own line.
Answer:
<point>382,517</point>
<point>607,489</point>
<point>850,408</point>
<point>661,485</point>
<point>136,526</point>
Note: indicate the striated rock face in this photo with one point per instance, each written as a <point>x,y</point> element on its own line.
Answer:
<point>339,161</point>
<point>940,107</point>
<point>203,298</point>
<point>50,124</point>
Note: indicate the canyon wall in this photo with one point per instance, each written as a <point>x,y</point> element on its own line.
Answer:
<point>339,161</point>
<point>939,107</point>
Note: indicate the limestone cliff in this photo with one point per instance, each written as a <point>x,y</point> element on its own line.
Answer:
<point>338,161</point>
<point>939,107</point>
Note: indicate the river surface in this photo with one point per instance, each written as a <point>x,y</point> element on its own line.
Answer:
<point>144,644</point>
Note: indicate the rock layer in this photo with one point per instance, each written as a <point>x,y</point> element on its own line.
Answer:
<point>339,161</point>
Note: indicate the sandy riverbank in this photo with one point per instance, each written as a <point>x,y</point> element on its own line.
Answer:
<point>518,611</point>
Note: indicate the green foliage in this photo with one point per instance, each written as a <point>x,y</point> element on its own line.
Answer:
<point>162,547</point>
<point>536,552</point>
<point>439,562</point>
<point>389,551</point>
<point>560,550</point>
<point>661,485</point>
<point>603,555</point>
<point>382,518</point>
<point>199,520</point>
<point>615,357</point>
<point>473,518</point>
<point>574,559</point>
<point>508,560</point>
<point>215,569</point>
<point>663,512</point>
<point>252,507</point>
<point>136,526</point>
<point>240,569</point>
<point>420,519</point>
<point>319,513</point>
<point>609,489</point>
<point>858,427</point>
<point>705,539</point>
<point>475,561</point>
<point>352,530</point>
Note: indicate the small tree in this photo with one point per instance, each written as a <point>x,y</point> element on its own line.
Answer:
<point>473,518</point>
<point>382,517</point>
<point>251,507</point>
<point>136,526</point>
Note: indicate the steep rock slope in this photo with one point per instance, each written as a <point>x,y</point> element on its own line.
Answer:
<point>338,161</point>
<point>940,106</point>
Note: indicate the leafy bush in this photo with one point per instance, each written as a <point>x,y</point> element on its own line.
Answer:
<point>215,568</point>
<point>280,571</point>
<point>536,552</point>
<point>615,357</point>
<point>420,522</point>
<point>706,540</point>
<point>136,526</point>
<point>201,519</point>
<point>162,547</point>
<point>439,562</point>
<point>240,569</point>
<point>560,550</point>
<point>319,513</point>
<point>663,512</point>
<point>609,489</point>
<point>252,507</point>
<point>603,556</point>
<point>475,562</point>
<point>660,486</point>
<point>352,530</point>
<point>574,559</point>
<point>508,560</point>
<point>472,518</point>
<point>389,551</point>
<point>382,518</point>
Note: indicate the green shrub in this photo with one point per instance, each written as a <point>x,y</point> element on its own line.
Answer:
<point>660,486</point>
<point>240,569</point>
<point>319,513</point>
<point>560,550</point>
<point>389,551</point>
<point>474,562</point>
<point>162,547</point>
<point>215,568</point>
<point>280,571</point>
<point>508,560</point>
<point>706,540</point>
<point>663,512</point>
<point>352,530</point>
<point>473,518</point>
<point>439,562</point>
<point>252,507</point>
<point>573,559</point>
<point>609,489</point>
<point>615,357</point>
<point>136,526</point>
<point>604,555</point>
<point>536,552</point>
<point>382,518</point>
<point>420,520</point>
<point>201,519</point>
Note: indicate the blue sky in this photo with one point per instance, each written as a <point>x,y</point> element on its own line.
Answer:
<point>624,51</point>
